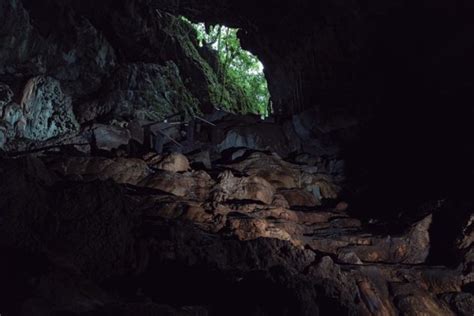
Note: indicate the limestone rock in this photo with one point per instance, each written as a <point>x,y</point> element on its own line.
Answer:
<point>47,110</point>
<point>145,91</point>
<point>410,248</point>
<point>258,136</point>
<point>174,162</point>
<point>254,188</point>
<point>284,175</point>
<point>120,170</point>
<point>108,137</point>
<point>412,300</point>
<point>193,185</point>
<point>6,95</point>
<point>298,197</point>
<point>272,168</point>
<point>462,303</point>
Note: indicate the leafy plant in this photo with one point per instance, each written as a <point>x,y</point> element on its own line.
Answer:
<point>238,69</point>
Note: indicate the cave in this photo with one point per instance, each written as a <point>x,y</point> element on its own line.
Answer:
<point>220,157</point>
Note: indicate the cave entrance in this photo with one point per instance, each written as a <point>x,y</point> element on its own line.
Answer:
<point>237,68</point>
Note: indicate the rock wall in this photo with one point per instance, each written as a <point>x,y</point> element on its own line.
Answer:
<point>61,63</point>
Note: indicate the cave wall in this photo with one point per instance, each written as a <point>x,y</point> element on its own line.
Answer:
<point>343,56</point>
<point>393,75</point>
<point>399,72</point>
<point>64,64</point>
<point>351,52</point>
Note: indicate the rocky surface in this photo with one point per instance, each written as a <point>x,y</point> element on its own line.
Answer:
<point>125,235</point>
<point>304,213</point>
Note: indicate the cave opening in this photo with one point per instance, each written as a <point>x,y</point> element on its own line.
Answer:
<point>236,67</point>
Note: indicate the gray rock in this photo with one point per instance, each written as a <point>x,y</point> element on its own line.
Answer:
<point>462,303</point>
<point>3,137</point>
<point>90,59</point>
<point>110,137</point>
<point>258,136</point>
<point>201,158</point>
<point>75,53</point>
<point>47,110</point>
<point>147,91</point>
<point>6,96</point>
<point>14,118</point>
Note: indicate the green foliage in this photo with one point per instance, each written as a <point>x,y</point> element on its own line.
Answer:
<point>201,77</point>
<point>239,71</point>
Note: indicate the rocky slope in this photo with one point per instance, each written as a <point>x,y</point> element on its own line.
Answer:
<point>130,236</point>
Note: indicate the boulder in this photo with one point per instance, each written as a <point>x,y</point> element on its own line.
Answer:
<point>47,110</point>
<point>271,167</point>
<point>253,188</point>
<point>174,162</point>
<point>299,198</point>
<point>258,136</point>
<point>192,185</point>
<point>409,248</point>
<point>108,137</point>
<point>284,175</point>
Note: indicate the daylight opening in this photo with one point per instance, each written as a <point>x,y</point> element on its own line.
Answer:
<point>237,67</point>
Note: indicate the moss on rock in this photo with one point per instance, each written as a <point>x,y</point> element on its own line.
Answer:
<point>149,91</point>
<point>203,80</point>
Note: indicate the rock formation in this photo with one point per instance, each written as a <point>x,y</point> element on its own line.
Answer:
<point>304,213</point>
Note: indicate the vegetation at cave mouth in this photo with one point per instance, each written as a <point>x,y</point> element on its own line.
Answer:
<point>236,67</point>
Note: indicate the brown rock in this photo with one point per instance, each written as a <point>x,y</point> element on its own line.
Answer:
<point>410,248</point>
<point>412,300</point>
<point>272,168</point>
<point>192,185</point>
<point>121,170</point>
<point>174,162</point>
<point>299,198</point>
<point>245,188</point>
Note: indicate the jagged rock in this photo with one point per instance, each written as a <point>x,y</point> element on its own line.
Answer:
<point>108,137</point>
<point>250,229</point>
<point>412,300</point>
<point>254,188</point>
<point>284,175</point>
<point>322,186</point>
<point>174,162</point>
<point>258,136</point>
<point>120,170</point>
<point>6,95</point>
<point>66,45</point>
<point>144,91</point>
<point>201,159</point>
<point>462,303</point>
<point>190,229</point>
<point>3,135</point>
<point>298,197</point>
<point>272,168</point>
<point>349,257</point>
<point>20,41</point>
<point>465,248</point>
<point>411,248</point>
<point>85,64</point>
<point>193,185</point>
<point>47,111</point>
